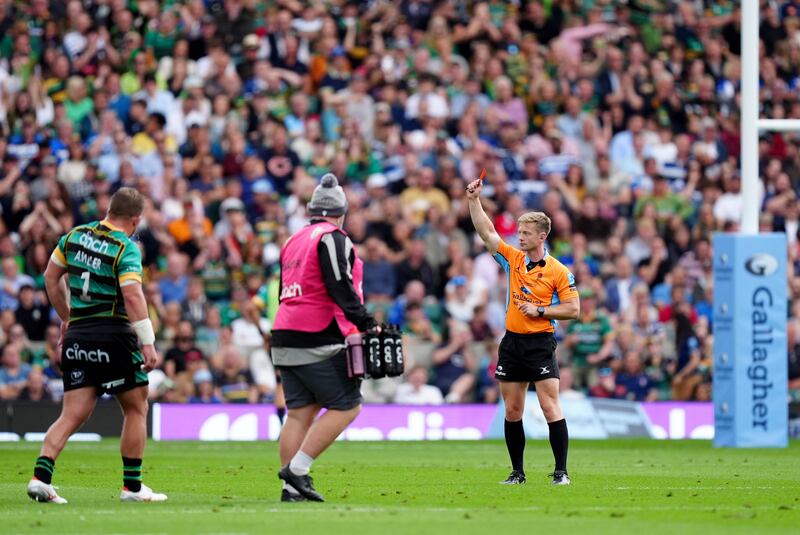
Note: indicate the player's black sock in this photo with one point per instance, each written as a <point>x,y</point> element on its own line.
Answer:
<point>281,413</point>
<point>132,474</point>
<point>515,442</point>
<point>43,471</point>
<point>559,442</point>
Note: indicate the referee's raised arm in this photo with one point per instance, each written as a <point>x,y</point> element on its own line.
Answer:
<point>481,221</point>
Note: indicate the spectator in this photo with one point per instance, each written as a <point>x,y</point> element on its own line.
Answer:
<point>195,305</point>
<point>417,391</point>
<point>590,339</point>
<point>606,386</point>
<point>487,387</point>
<point>566,385</point>
<point>687,373</point>
<point>249,340</point>
<point>208,334</point>
<point>460,303</point>
<point>204,391</point>
<point>36,387</point>
<point>183,351</point>
<point>214,271</point>
<point>176,282</point>
<point>619,288</point>
<point>33,316</point>
<point>422,194</point>
<point>11,282</point>
<point>234,380</point>
<point>665,202</point>
<point>233,230</point>
<point>635,383</point>
<point>379,275</point>
<point>415,268</point>
<point>13,373</point>
<point>454,365</point>
<point>18,337</point>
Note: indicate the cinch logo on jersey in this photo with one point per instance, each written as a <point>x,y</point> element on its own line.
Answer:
<point>76,353</point>
<point>293,290</point>
<point>98,246</point>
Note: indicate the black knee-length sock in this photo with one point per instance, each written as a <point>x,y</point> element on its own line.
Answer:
<point>559,442</point>
<point>515,442</point>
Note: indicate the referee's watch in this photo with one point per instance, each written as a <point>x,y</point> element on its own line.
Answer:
<point>540,310</point>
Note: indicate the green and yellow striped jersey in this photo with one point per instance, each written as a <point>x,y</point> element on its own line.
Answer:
<point>266,299</point>
<point>100,259</point>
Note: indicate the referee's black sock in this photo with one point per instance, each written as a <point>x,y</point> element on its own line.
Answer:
<point>559,442</point>
<point>515,442</point>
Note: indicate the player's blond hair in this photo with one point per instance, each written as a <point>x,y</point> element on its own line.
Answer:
<point>538,219</point>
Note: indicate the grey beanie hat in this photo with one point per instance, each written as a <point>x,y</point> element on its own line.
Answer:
<point>328,199</point>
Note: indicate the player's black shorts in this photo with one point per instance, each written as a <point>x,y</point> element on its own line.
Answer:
<point>527,358</point>
<point>103,355</point>
<point>321,383</point>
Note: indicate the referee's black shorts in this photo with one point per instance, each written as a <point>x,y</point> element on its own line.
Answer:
<point>527,358</point>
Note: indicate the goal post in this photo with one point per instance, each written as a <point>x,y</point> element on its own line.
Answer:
<point>751,291</point>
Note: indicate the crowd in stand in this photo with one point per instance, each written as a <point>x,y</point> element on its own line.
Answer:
<point>618,119</point>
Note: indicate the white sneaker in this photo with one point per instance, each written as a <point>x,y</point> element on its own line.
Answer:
<point>42,492</point>
<point>146,494</point>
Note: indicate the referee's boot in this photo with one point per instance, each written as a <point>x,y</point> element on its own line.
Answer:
<point>560,477</point>
<point>303,484</point>
<point>517,477</point>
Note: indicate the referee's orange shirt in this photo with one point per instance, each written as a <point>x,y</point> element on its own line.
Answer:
<point>541,286</point>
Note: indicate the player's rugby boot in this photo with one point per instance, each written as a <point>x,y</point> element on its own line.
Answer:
<point>42,492</point>
<point>146,494</point>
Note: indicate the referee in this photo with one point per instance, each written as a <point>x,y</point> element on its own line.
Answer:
<point>540,291</point>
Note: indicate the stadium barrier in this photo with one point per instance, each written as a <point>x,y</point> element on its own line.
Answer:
<point>588,419</point>
<point>30,419</point>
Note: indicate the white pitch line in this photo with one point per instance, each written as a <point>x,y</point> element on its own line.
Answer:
<point>293,510</point>
<point>667,488</point>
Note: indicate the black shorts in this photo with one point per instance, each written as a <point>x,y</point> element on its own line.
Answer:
<point>527,358</point>
<point>105,356</point>
<point>321,383</point>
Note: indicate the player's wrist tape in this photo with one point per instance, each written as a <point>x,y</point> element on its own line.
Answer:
<point>144,330</point>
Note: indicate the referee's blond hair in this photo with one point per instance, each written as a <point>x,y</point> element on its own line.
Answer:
<point>537,219</point>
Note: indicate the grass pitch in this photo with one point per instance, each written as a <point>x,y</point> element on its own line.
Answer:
<point>618,486</point>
